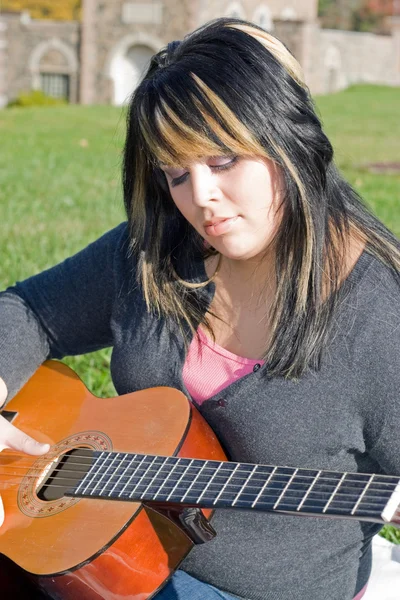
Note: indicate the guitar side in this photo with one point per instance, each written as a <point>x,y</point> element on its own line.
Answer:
<point>95,549</point>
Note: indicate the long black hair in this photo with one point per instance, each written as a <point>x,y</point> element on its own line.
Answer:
<point>231,88</point>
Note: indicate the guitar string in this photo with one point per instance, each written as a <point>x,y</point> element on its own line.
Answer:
<point>34,473</point>
<point>265,496</point>
<point>286,505</point>
<point>211,482</point>
<point>46,462</point>
<point>248,487</point>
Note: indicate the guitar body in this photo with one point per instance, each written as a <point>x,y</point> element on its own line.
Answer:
<point>84,548</point>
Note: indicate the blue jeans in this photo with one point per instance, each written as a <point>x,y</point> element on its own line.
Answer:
<point>182,586</point>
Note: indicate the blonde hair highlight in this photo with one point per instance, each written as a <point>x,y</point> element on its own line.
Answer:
<point>171,141</point>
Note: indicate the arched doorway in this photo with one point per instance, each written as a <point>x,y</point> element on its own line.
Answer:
<point>332,69</point>
<point>235,10</point>
<point>127,69</point>
<point>263,17</point>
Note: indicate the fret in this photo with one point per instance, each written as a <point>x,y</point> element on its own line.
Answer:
<point>116,479</point>
<point>246,485</point>
<point>202,482</point>
<point>264,486</point>
<point>226,483</point>
<point>362,495</point>
<point>144,478</point>
<point>113,459</point>
<point>308,491</point>
<point>343,477</point>
<point>194,481</point>
<point>87,479</point>
<point>128,481</point>
<point>209,483</point>
<point>356,495</point>
<point>277,489</point>
<point>285,490</point>
<point>243,486</point>
<point>140,481</point>
<point>144,475</point>
<point>203,479</point>
<point>165,482</point>
<point>320,492</point>
<point>180,480</point>
<point>378,494</point>
<point>175,486</point>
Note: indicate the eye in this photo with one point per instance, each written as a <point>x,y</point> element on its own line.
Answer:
<point>222,162</point>
<point>216,163</point>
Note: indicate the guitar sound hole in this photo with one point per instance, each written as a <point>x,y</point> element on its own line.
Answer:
<point>65,474</point>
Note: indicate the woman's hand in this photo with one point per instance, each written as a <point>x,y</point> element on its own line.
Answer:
<point>11,437</point>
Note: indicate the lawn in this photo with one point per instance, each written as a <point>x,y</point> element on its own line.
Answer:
<point>60,184</point>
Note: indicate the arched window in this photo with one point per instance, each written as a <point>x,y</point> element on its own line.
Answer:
<point>236,10</point>
<point>54,69</point>
<point>289,14</point>
<point>54,76</point>
<point>263,17</point>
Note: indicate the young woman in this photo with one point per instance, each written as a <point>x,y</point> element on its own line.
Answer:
<point>251,277</point>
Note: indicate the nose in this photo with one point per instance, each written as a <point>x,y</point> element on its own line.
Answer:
<point>204,185</point>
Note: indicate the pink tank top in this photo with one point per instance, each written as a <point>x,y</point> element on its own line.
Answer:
<point>208,369</point>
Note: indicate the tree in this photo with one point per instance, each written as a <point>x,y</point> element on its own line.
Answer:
<point>63,10</point>
<point>355,15</point>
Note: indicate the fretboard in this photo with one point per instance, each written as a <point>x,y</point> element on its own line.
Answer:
<point>215,484</point>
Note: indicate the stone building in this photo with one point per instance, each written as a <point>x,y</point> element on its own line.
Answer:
<point>100,59</point>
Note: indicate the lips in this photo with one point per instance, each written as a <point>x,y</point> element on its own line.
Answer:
<point>216,221</point>
<point>219,226</point>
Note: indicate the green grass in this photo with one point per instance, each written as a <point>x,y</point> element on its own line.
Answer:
<point>60,184</point>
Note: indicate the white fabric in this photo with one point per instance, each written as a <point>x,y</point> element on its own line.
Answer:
<point>384,583</point>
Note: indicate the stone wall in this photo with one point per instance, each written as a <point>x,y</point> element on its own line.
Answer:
<point>296,10</point>
<point>105,55</point>
<point>110,29</point>
<point>30,47</point>
<point>343,58</point>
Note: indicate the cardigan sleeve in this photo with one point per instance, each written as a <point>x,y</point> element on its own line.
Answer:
<point>379,342</point>
<point>385,394</point>
<point>63,311</point>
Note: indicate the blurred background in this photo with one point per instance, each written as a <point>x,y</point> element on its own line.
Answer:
<point>93,51</point>
<point>67,68</point>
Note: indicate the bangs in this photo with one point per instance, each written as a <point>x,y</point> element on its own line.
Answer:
<point>189,121</point>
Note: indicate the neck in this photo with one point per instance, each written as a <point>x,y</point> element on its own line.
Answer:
<point>254,270</point>
<point>244,282</point>
<point>215,484</point>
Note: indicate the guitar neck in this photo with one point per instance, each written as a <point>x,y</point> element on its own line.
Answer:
<point>215,484</point>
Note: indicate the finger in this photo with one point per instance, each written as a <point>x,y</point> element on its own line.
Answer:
<point>3,392</point>
<point>1,512</point>
<point>18,440</point>
<point>28,445</point>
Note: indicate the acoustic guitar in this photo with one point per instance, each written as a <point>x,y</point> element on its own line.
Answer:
<point>129,485</point>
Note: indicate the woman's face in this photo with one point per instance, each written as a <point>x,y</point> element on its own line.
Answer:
<point>231,201</point>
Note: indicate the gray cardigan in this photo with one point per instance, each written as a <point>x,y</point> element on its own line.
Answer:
<point>345,417</point>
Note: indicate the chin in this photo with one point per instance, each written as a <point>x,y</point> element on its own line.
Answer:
<point>236,254</point>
